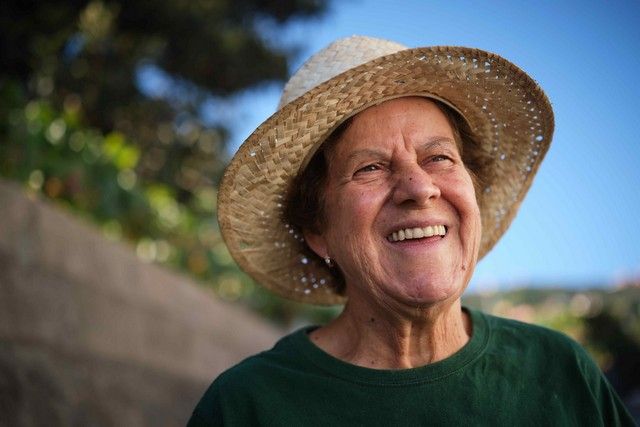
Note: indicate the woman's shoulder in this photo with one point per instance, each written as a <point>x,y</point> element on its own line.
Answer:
<point>542,350</point>
<point>266,365</point>
<point>251,379</point>
<point>534,339</point>
<point>552,363</point>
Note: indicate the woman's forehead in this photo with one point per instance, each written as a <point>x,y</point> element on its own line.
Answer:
<point>411,119</point>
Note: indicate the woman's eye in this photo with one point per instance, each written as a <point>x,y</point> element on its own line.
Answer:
<point>368,168</point>
<point>439,158</point>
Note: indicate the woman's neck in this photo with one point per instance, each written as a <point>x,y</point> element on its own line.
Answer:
<point>366,338</point>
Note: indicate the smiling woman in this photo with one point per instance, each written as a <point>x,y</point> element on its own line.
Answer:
<point>396,168</point>
<point>383,178</point>
<point>305,203</point>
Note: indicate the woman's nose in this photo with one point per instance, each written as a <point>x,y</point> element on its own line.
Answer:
<point>414,185</point>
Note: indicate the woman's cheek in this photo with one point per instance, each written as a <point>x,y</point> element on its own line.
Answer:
<point>356,206</point>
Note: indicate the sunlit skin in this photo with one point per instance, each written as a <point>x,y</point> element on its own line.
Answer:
<point>397,166</point>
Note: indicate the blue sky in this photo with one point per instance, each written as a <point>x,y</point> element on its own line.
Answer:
<point>579,224</point>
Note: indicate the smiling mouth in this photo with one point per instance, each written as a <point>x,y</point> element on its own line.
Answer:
<point>417,233</point>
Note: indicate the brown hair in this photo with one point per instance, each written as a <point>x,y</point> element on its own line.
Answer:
<point>304,206</point>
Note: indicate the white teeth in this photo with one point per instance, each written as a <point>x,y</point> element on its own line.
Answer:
<point>417,233</point>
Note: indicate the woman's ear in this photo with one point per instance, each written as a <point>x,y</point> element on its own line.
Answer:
<point>316,242</point>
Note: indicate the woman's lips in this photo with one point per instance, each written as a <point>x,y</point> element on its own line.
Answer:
<point>417,233</point>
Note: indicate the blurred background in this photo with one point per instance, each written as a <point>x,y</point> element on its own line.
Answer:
<point>125,114</point>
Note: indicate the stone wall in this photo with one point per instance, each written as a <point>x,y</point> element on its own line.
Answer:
<point>90,335</point>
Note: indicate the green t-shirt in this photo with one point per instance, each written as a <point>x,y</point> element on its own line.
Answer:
<point>509,373</point>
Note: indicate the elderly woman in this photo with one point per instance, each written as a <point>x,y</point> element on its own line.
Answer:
<point>383,177</point>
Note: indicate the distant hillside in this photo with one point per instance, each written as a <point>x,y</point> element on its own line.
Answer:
<point>562,308</point>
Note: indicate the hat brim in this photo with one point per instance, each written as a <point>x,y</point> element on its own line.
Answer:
<point>507,111</point>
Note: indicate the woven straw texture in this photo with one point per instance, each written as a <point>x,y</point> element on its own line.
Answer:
<point>506,109</point>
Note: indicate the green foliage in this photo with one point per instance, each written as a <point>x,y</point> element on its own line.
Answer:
<point>94,174</point>
<point>90,56</point>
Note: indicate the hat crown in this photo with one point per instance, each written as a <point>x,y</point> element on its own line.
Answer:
<point>338,57</point>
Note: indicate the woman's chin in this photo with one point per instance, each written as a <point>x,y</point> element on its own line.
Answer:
<point>426,294</point>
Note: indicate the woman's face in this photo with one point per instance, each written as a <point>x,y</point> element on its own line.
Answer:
<point>394,175</point>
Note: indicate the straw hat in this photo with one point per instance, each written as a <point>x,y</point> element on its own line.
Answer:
<point>505,108</point>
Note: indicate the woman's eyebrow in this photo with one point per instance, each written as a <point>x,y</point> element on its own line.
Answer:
<point>438,142</point>
<point>431,143</point>
<point>365,152</point>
